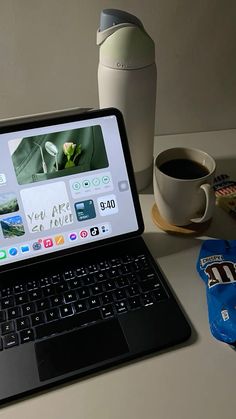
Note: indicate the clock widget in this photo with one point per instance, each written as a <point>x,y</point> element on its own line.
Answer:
<point>107,205</point>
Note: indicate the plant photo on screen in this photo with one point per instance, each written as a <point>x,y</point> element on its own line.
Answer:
<point>58,154</point>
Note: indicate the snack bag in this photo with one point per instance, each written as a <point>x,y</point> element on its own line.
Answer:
<point>217,267</point>
<point>225,192</point>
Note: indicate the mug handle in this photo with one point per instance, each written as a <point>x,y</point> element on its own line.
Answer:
<point>210,203</point>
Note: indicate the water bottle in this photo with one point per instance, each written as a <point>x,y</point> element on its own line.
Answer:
<point>127,81</point>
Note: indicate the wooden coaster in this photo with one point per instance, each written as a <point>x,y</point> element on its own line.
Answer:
<point>190,229</point>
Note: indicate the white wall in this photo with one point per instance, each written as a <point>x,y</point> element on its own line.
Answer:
<point>49,58</point>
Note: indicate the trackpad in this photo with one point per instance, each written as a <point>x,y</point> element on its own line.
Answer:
<point>80,348</point>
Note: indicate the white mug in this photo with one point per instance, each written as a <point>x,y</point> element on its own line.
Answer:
<point>182,181</point>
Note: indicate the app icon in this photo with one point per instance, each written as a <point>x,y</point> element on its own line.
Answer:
<point>123,185</point>
<point>36,245</point>
<point>73,237</point>
<point>25,248</point>
<point>3,254</point>
<point>76,186</point>
<point>8,203</point>
<point>85,210</point>
<point>83,234</point>
<point>59,239</point>
<point>106,179</point>
<point>105,229</point>
<point>13,251</point>
<point>47,243</point>
<point>96,181</point>
<point>12,227</point>
<point>94,231</point>
<point>86,183</point>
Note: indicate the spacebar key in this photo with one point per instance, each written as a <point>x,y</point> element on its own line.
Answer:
<point>68,323</point>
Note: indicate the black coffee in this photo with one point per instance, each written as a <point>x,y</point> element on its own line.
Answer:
<point>183,169</point>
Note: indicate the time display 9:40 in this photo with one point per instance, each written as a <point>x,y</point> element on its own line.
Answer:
<point>107,205</point>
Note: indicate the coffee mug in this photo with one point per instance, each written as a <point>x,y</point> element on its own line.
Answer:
<point>182,181</point>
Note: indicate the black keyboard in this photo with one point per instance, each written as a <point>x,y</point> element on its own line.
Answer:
<point>35,309</point>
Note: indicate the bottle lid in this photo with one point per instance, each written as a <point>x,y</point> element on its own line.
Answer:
<point>113,17</point>
<point>127,45</point>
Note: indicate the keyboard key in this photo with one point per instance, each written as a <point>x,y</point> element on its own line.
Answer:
<point>35,294</point>
<point>49,290</point>
<point>52,314</point>
<point>56,300</point>
<point>104,265</point>
<point>7,302</point>
<point>115,262</point>
<point>10,340</point>
<point>147,299</point>
<point>127,259</point>
<point>32,285</point>
<point>7,327</point>
<point>80,306</point>
<point>28,308</point>
<point>88,280</point>
<point>92,268</point>
<point>42,304</point>
<point>22,323</point>
<point>26,335</point>
<point>125,269</point>
<point>135,302</point>
<point>80,272</point>
<point>121,307</point>
<point>83,293</point>
<point>69,275</point>
<point>160,294</point>
<point>96,289</point>
<point>100,276</point>
<point>94,302</point>
<point>150,284</point>
<point>55,279</point>
<point>21,298</point>
<point>107,298</point>
<point>66,310</point>
<point>68,323</point>
<point>63,286</point>
<point>13,313</point>
<point>132,278</point>
<point>107,311</point>
<point>133,290</point>
<point>6,292</point>
<point>74,283</point>
<point>120,294</point>
<point>19,288</point>
<point>147,274</point>
<point>44,282</point>
<point>109,285</point>
<point>113,273</point>
<point>37,318</point>
<point>70,296</point>
<point>143,262</point>
<point>123,281</point>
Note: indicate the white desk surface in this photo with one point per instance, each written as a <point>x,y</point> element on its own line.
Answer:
<point>192,381</point>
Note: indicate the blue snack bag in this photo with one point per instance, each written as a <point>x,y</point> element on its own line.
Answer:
<point>217,267</point>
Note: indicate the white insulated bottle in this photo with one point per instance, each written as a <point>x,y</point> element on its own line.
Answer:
<point>127,81</point>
